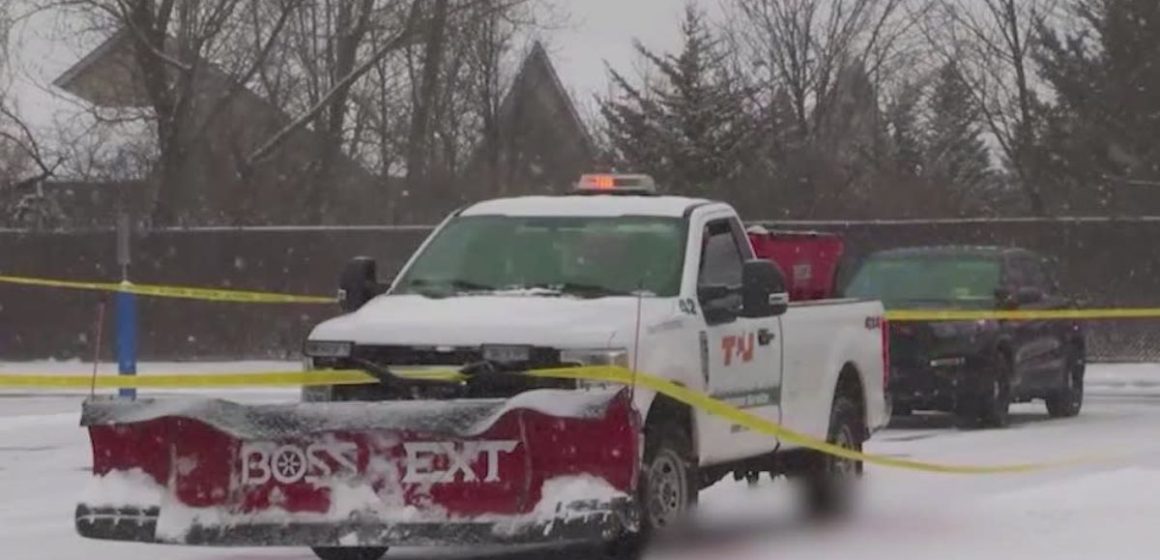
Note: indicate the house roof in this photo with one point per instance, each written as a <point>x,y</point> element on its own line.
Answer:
<point>538,60</point>
<point>539,55</point>
<point>68,79</point>
<point>102,78</point>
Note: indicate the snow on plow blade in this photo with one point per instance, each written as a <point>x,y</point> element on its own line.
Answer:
<point>544,466</point>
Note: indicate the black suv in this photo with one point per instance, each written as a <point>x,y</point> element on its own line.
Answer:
<point>975,369</point>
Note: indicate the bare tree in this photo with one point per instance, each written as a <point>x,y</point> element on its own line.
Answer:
<point>821,69</point>
<point>329,47</point>
<point>490,42</point>
<point>426,81</point>
<point>991,43</point>
<point>458,77</point>
<point>189,72</point>
<point>352,113</point>
<point>24,165</point>
<point>804,46</point>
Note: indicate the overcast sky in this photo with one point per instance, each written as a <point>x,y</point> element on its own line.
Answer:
<point>595,31</point>
<point>603,30</point>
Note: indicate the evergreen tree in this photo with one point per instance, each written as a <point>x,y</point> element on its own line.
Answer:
<point>1103,133</point>
<point>905,130</point>
<point>688,127</point>
<point>956,159</point>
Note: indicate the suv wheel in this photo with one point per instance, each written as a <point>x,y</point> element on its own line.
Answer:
<point>990,405</point>
<point>1067,401</point>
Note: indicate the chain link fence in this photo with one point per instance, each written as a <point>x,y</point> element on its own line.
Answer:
<point>1104,262</point>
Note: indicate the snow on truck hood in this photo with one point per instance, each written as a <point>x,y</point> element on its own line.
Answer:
<point>493,319</point>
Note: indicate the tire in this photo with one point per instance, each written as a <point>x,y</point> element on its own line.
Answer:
<point>828,484</point>
<point>667,492</point>
<point>988,406</point>
<point>350,553</point>
<point>1067,401</point>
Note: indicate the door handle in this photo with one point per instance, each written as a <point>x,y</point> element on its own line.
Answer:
<point>765,336</point>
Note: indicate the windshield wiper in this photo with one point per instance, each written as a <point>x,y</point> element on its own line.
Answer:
<point>581,290</point>
<point>456,285</point>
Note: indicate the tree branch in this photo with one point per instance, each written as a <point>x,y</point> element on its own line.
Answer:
<point>240,82</point>
<point>399,41</point>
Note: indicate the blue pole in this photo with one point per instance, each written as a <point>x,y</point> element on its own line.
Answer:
<point>127,338</point>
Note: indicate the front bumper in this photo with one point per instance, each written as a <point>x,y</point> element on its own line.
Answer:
<point>935,384</point>
<point>579,522</point>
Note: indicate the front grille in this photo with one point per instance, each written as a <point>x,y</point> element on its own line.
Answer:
<point>541,357</point>
<point>481,386</point>
<point>910,344</point>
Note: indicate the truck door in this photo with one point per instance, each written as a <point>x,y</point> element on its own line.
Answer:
<point>743,355</point>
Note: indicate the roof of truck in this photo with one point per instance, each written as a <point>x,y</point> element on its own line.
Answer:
<point>586,205</point>
<point>983,251</point>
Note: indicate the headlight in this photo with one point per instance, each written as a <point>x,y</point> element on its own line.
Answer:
<point>327,349</point>
<point>596,357</point>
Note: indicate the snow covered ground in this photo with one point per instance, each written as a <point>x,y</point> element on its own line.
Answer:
<point>1108,510</point>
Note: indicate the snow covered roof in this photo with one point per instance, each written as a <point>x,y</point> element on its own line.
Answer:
<point>593,206</point>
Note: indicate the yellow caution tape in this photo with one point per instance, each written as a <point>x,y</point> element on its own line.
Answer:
<point>187,381</point>
<point>244,296</point>
<point>610,374</point>
<point>1023,315</point>
<point>701,401</point>
<point>178,292</point>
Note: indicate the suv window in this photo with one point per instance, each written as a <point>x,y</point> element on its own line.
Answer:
<point>1028,272</point>
<point>721,261</point>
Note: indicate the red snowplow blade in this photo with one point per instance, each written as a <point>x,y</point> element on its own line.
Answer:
<point>544,466</point>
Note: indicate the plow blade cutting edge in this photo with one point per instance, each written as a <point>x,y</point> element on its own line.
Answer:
<point>541,467</point>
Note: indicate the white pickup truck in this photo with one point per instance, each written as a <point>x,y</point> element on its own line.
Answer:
<point>616,274</point>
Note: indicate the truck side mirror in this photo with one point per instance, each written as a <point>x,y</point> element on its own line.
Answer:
<point>358,284</point>
<point>763,290</point>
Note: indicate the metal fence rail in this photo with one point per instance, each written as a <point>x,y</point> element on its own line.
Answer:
<point>1107,262</point>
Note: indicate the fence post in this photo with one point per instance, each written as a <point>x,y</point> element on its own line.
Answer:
<point>126,310</point>
<point>127,337</point>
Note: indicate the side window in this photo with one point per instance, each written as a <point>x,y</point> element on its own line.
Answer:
<point>1037,276</point>
<point>1015,276</point>
<point>721,260</point>
<point>1027,272</point>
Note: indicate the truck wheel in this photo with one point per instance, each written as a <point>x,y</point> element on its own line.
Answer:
<point>828,483</point>
<point>1067,401</point>
<point>990,406</point>
<point>350,553</point>
<point>668,490</point>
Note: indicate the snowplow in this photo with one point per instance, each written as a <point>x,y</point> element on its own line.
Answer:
<point>459,438</point>
<point>541,466</point>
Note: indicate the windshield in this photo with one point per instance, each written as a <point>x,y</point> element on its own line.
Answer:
<point>937,279</point>
<point>582,256</point>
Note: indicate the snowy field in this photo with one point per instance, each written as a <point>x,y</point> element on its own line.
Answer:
<point>1105,510</point>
